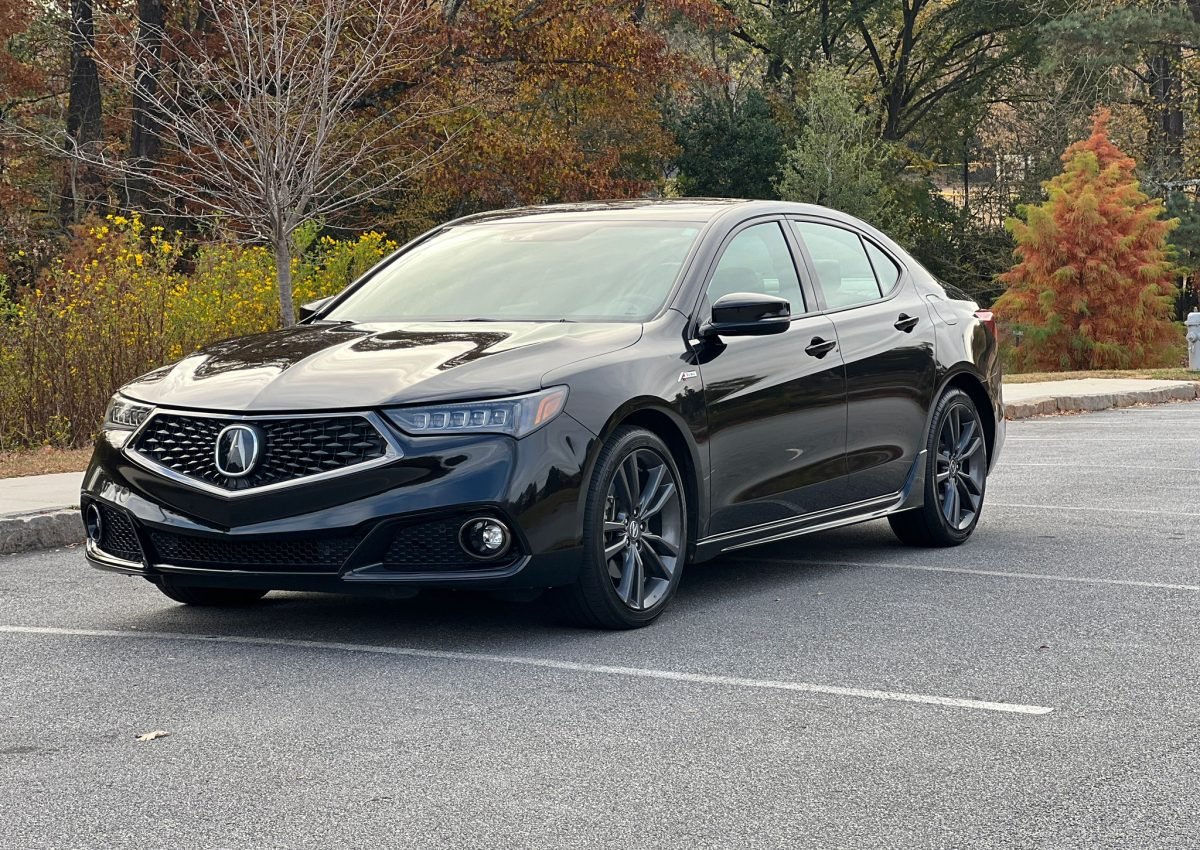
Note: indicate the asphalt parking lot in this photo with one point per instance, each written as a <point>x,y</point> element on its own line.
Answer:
<point>1037,687</point>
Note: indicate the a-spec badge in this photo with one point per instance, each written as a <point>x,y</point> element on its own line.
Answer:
<point>687,376</point>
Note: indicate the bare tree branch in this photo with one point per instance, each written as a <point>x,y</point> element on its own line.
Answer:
<point>265,106</point>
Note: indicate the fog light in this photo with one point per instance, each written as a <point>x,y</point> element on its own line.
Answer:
<point>484,538</point>
<point>93,522</point>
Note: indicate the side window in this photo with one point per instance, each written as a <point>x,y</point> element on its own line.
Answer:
<point>843,271</point>
<point>758,260</point>
<point>886,270</point>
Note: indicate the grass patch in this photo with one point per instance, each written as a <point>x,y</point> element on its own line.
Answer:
<point>1175,374</point>
<point>43,461</point>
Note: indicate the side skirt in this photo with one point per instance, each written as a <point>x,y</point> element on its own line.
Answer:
<point>911,496</point>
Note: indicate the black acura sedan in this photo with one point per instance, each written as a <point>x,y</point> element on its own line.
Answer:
<point>583,397</point>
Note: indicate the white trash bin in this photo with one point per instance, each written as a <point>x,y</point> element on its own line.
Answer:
<point>1193,341</point>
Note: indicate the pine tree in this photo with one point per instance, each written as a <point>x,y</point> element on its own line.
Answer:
<point>1092,288</point>
<point>838,158</point>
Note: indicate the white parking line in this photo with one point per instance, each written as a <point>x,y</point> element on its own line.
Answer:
<point>553,664</point>
<point>1074,439</point>
<point>1093,509</point>
<point>1092,423</point>
<point>1105,466</point>
<point>1157,585</point>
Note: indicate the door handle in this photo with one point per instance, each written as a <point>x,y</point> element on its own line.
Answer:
<point>906,323</point>
<point>818,348</point>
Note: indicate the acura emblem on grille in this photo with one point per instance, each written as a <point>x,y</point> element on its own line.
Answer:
<point>237,450</point>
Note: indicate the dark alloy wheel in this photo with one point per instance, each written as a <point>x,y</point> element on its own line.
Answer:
<point>635,535</point>
<point>960,467</point>
<point>643,524</point>
<point>955,477</point>
<point>210,597</point>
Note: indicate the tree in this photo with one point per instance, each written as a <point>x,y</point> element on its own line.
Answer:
<point>561,100</point>
<point>84,121</point>
<point>1092,289</point>
<point>18,77</point>
<point>1135,51</point>
<point>917,53</point>
<point>143,130</point>
<point>838,159</point>
<point>730,147</point>
<point>1185,245</point>
<point>29,184</point>
<point>267,108</point>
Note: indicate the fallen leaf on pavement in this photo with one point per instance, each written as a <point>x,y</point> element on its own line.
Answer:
<point>150,736</point>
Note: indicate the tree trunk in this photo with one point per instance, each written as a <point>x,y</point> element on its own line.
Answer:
<point>144,131</point>
<point>1166,134</point>
<point>966,178</point>
<point>283,279</point>
<point>826,44</point>
<point>81,183</point>
<point>776,62</point>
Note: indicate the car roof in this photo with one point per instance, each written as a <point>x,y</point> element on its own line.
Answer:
<point>675,209</point>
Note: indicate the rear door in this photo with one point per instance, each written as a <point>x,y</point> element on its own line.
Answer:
<point>776,404</point>
<point>887,345</point>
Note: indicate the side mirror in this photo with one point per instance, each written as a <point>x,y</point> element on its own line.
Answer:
<point>748,314</point>
<point>307,311</point>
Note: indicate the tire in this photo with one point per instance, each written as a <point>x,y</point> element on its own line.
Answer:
<point>211,597</point>
<point>632,559</point>
<point>955,477</point>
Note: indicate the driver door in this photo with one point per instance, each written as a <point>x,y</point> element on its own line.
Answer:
<point>776,404</point>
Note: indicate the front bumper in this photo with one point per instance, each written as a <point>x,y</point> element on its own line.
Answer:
<point>387,526</point>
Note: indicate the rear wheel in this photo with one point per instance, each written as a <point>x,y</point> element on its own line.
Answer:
<point>955,477</point>
<point>211,597</point>
<point>635,535</point>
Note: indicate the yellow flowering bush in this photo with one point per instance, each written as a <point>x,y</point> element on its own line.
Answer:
<point>126,298</point>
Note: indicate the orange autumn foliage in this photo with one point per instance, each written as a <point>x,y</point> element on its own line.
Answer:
<point>1092,288</point>
<point>556,100</point>
<point>17,77</point>
<point>21,84</point>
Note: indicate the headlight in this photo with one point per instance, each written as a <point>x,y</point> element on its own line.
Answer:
<point>515,416</point>
<point>125,415</point>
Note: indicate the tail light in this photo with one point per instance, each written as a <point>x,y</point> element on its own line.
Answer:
<point>988,318</point>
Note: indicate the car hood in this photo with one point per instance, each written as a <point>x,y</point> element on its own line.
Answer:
<point>317,367</point>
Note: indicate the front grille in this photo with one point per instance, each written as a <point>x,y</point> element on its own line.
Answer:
<point>433,546</point>
<point>291,448</point>
<point>117,536</point>
<point>326,554</point>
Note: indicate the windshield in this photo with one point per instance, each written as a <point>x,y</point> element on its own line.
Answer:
<point>586,271</point>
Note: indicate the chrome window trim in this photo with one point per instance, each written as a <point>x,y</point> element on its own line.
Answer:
<point>392,451</point>
<point>864,238</point>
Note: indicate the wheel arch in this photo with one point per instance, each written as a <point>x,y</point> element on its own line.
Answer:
<point>973,385</point>
<point>668,427</point>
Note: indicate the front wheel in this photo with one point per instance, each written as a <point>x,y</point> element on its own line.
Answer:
<point>955,477</point>
<point>210,597</point>
<point>634,536</point>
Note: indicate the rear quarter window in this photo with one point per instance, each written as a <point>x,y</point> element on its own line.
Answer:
<point>887,272</point>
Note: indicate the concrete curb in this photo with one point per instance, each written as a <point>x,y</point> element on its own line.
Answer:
<point>1047,405</point>
<point>47,529</point>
